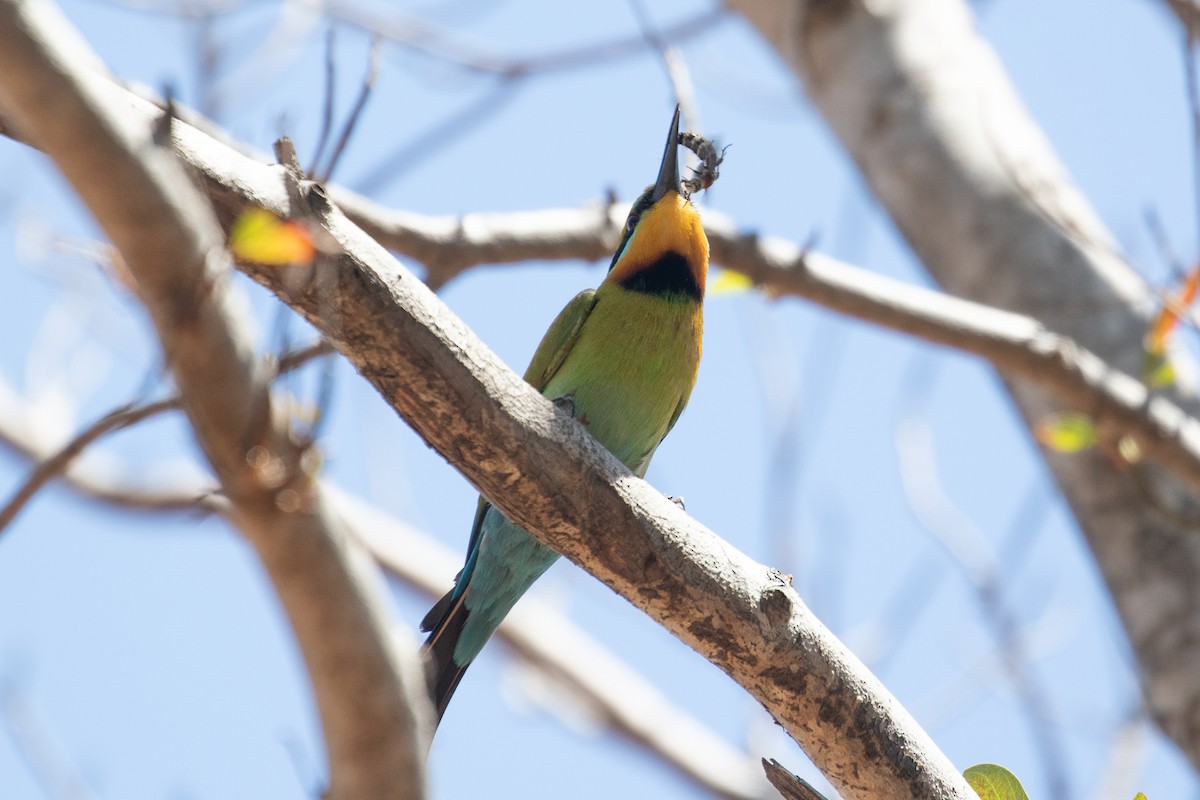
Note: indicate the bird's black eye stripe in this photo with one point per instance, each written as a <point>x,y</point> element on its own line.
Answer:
<point>640,206</point>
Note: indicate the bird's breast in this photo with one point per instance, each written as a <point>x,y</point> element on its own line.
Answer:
<point>633,365</point>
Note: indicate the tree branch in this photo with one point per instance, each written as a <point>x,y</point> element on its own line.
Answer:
<point>53,463</point>
<point>1188,14</point>
<point>376,724</point>
<point>56,463</point>
<point>99,480</point>
<point>791,786</point>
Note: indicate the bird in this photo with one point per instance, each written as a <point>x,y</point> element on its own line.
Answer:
<point>622,359</point>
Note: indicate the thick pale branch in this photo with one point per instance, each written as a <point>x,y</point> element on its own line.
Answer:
<point>144,200</point>
<point>1017,345</point>
<point>448,245</point>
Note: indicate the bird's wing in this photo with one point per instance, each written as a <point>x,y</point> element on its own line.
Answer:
<point>557,342</point>
<point>639,465</point>
<point>481,510</point>
<point>683,401</point>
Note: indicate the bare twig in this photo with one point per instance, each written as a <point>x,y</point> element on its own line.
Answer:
<point>435,42</point>
<point>791,786</point>
<point>54,466</point>
<point>437,137</point>
<point>675,68</point>
<point>57,464</point>
<point>360,103</point>
<point>328,104</point>
<point>509,73</point>
<point>1162,242</point>
<point>36,745</point>
<point>1193,101</point>
<point>208,62</point>
<point>185,10</point>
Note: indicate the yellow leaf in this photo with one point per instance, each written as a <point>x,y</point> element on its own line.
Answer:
<point>1067,433</point>
<point>1139,796</point>
<point>1157,372</point>
<point>728,282</point>
<point>993,782</point>
<point>261,237</point>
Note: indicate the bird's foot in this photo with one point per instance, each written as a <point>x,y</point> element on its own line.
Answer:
<point>565,404</point>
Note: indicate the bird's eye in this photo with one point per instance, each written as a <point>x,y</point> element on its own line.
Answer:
<point>632,222</point>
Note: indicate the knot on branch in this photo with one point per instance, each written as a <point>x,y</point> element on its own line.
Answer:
<point>776,602</point>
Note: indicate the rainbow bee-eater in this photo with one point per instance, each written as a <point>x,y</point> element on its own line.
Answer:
<point>622,359</point>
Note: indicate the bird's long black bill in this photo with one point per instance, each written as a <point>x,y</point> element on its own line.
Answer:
<point>668,171</point>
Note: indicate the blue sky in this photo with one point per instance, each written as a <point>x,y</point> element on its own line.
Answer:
<point>151,647</point>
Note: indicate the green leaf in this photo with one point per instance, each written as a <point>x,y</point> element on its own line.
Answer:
<point>993,782</point>
<point>1139,796</point>
<point>1067,433</point>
